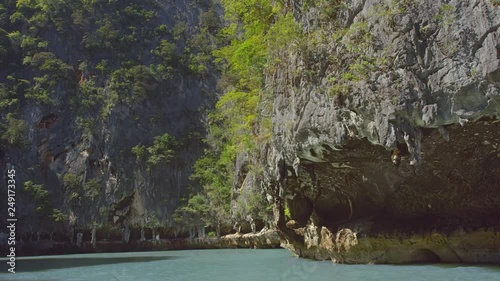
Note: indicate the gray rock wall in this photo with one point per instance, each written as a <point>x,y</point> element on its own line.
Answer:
<point>128,194</point>
<point>387,115</point>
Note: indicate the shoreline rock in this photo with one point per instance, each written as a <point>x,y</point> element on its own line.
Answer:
<point>263,240</point>
<point>358,243</point>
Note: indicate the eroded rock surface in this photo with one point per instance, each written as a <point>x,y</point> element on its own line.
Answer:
<point>400,163</point>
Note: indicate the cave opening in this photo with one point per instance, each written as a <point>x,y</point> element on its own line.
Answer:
<point>424,256</point>
<point>301,209</point>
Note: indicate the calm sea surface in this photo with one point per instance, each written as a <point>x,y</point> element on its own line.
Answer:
<point>227,265</point>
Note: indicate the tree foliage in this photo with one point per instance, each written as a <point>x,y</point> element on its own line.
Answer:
<point>257,30</point>
<point>41,197</point>
<point>193,213</point>
<point>14,130</point>
<point>162,151</point>
<point>43,205</point>
<point>74,189</point>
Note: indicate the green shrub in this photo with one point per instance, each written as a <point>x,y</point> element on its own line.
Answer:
<point>446,15</point>
<point>127,85</point>
<point>73,188</point>
<point>165,53</point>
<point>179,30</point>
<point>15,38</point>
<point>10,92</point>
<point>194,213</point>
<point>139,151</point>
<point>71,182</point>
<point>92,188</point>
<point>14,131</point>
<point>41,197</point>
<point>161,30</point>
<point>59,216</point>
<point>210,20</point>
<point>162,150</point>
<point>89,94</point>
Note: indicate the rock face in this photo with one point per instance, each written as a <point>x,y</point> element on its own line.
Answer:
<point>386,138</point>
<point>370,241</point>
<point>128,195</point>
<point>386,143</point>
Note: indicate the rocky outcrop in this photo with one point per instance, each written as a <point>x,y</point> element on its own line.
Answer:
<point>262,240</point>
<point>386,142</point>
<point>401,242</point>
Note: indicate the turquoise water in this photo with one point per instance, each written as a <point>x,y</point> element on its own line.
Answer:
<point>230,265</point>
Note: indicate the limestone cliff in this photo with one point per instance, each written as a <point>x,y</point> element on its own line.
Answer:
<point>373,129</point>
<point>111,117</point>
<point>386,141</point>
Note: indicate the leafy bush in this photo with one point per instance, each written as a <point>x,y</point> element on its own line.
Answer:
<point>41,197</point>
<point>14,131</point>
<point>47,61</point>
<point>162,30</point>
<point>166,53</point>
<point>128,85</point>
<point>162,150</point>
<point>59,216</point>
<point>89,94</point>
<point>92,188</point>
<point>194,213</point>
<point>10,92</point>
<point>73,188</point>
<point>179,30</point>
<point>139,151</point>
<point>55,74</point>
<point>210,20</point>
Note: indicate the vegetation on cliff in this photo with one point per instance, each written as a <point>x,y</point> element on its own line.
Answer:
<point>90,57</point>
<point>240,123</point>
<point>95,103</point>
<point>338,54</point>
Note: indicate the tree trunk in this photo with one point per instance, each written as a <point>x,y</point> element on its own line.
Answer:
<point>201,232</point>
<point>79,239</point>
<point>143,238</point>
<point>126,234</point>
<point>72,234</point>
<point>217,228</point>
<point>93,240</point>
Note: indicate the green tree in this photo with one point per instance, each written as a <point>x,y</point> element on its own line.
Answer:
<point>10,91</point>
<point>14,130</point>
<point>195,213</point>
<point>162,150</point>
<point>59,216</point>
<point>92,188</point>
<point>139,151</point>
<point>41,197</point>
<point>128,85</point>
<point>258,30</point>
<point>74,189</point>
